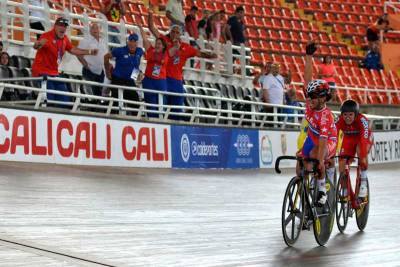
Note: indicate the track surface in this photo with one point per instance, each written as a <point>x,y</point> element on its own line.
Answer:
<point>96,216</point>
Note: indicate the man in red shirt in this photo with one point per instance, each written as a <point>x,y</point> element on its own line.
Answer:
<point>182,52</point>
<point>51,47</point>
<point>114,10</point>
<point>357,137</point>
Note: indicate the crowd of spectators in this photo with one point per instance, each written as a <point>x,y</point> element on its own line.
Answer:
<point>168,55</point>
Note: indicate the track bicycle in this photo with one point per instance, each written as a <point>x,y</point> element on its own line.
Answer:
<point>299,211</point>
<point>347,200</point>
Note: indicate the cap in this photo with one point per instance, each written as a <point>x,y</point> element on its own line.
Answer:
<point>62,21</point>
<point>133,37</point>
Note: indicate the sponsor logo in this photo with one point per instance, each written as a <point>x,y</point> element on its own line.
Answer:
<point>266,150</point>
<point>243,145</point>
<point>185,148</point>
<point>204,150</point>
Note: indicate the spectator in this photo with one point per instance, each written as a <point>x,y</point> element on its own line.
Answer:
<point>372,60</point>
<point>201,26</point>
<point>328,73</point>
<point>214,26</point>
<point>156,70</point>
<point>1,46</point>
<point>259,78</point>
<point>114,10</point>
<point>191,24</point>
<point>234,29</point>
<point>51,47</point>
<point>273,87</point>
<point>175,12</point>
<point>93,65</point>
<point>373,31</point>
<point>35,23</point>
<point>290,100</point>
<point>4,59</point>
<point>176,62</point>
<point>127,61</point>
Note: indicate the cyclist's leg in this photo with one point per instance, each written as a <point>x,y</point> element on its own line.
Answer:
<point>348,149</point>
<point>362,150</point>
<point>308,146</point>
<point>321,197</point>
<point>330,169</point>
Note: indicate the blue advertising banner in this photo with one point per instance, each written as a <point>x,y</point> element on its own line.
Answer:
<point>202,147</point>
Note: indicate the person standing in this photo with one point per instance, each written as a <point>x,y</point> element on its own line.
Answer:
<point>176,62</point>
<point>114,10</point>
<point>328,73</point>
<point>92,69</point>
<point>156,70</point>
<point>51,48</point>
<point>127,62</point>
<point>273,86</point>
<point>191,24</point>
<point>234,28</point>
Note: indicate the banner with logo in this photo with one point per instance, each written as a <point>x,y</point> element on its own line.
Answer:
<point>202,147</point>
<point>274,144</point>
<point>386,147</point>
<point>79,140</point>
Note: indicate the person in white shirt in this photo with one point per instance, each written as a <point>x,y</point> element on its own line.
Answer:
<point>93,65</point>
<point>175,13</point>
<point>273,86</point>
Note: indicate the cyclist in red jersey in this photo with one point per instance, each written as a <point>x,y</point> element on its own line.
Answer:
<point>321,138</point>
<point>357,138</point>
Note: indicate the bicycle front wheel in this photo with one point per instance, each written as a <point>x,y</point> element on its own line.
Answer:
<point>324,219</point>
<point>293,211</point>
<point>363,211</point>
<point>342,203</point>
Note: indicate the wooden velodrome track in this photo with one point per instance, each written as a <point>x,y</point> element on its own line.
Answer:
<point>96,216</point>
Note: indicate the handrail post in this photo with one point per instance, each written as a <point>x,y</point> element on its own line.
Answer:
<point>243,60</point>
<point>120,103</point>
<point>160,104</point>
<point>229,57</point>
<point>122,32</point>
<point>46,14</point>
<point>4,24</point>
<point>44,89</point>
<point>27,37</point>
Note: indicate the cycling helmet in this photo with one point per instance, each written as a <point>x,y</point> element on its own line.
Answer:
<point>318,88</point>
<point>350,106</point>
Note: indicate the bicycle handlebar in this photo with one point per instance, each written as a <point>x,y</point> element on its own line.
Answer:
<point>292,158</point>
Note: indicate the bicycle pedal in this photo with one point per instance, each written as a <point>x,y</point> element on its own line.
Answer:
<point>351,213</point>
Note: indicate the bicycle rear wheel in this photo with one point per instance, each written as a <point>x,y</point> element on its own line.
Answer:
<point>293,211</point>
<point>342,203</point>
<point>324,219</point>
<point>363,211</point>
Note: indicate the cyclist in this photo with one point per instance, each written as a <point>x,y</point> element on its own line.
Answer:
<point>357,137</point>
<point>321,139</point>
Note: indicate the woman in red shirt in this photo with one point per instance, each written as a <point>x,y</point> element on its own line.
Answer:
<point>156,70</point>
<point>327,72</point>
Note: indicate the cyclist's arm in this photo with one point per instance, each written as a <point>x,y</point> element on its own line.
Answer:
<point>322,144</point>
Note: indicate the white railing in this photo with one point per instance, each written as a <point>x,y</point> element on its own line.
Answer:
<point>12,12</point>
<point>364,92</point>
<point>204,109</point>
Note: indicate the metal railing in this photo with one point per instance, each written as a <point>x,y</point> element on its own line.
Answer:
<point>210,109</point>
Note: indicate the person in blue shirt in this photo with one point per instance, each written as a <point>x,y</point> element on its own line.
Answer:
<point>372,60</point>
<point>126,70</point>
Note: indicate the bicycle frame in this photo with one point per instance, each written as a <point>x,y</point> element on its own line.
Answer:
<point>355,203</point>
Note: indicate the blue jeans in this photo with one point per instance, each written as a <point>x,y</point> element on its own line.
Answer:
<point>160,85</point>
<point>175,86</point>
<point>59,86</point>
